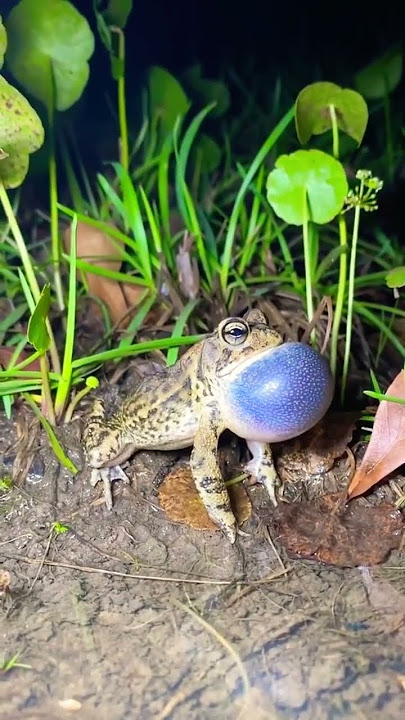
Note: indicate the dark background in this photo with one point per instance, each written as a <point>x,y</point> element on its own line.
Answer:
<point>175,33</point>
<point>261,40</point>
<point>276,35</point>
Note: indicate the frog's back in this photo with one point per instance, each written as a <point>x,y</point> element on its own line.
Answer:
<point>160,413</point>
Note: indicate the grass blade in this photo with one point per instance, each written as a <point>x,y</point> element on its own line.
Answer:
<point>233,221</point>
<point>66,374</point>
<point>178,329</point>
<point>55,444</point>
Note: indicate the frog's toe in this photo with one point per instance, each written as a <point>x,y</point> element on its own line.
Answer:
<point>262,468</point>
<point>230,532</point>
<point>107,476</point>
<point>222,515</point>
<point>227,523</point>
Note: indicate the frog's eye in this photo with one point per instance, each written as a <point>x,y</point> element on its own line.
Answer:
<point>234,332</point>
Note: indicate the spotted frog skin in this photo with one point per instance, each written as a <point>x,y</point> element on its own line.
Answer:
<point>185,405</point>
<point>241,378</point>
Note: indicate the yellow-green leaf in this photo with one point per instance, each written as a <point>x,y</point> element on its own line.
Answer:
<point>21,133</point>
<point>313,111</point>
<point>49,45</point>
<point>37,331</point>
<point>307,176</point>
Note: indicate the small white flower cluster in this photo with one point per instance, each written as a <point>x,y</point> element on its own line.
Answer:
<point>365,194</point>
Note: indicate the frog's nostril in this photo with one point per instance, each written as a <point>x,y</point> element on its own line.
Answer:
<point>280,395</point>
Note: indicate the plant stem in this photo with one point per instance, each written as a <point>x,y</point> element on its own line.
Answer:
<point>66,377</point>
<point>56,446</point>
<point>73,404</point>
<point>335,132</point>
<point>47,405</point>
<point>307,261</point>
<point>122,115</point>
<point>350,299</point>
<point>28,269</point>
<point>341,292</point>
<point>53,210</point>
<point>340,299</point>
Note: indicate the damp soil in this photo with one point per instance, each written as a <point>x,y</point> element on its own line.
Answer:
<point>130,615</point>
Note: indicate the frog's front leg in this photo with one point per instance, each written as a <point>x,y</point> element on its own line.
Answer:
<point>107,475</point>
<point>208,479</point>
<point>103,447</point>
<point>261,467</point>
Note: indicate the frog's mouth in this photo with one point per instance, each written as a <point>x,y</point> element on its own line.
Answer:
<point>242,363</point>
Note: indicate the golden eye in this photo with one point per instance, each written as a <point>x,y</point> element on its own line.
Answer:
<point>234,331</point>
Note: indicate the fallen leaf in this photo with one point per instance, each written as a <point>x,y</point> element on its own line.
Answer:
<point>386,449</point>
<point>329,530</point>
<point>181,502</point>
<point>6,354</point>
<point>97,248</point>
<point>94,246</point>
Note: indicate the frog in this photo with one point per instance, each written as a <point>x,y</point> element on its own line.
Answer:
<point>191,403</point>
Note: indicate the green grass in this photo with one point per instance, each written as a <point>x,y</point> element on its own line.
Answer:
<point>7,664</point>
<point>242,249</point>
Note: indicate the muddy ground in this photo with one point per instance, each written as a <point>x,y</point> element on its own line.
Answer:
<point>214,632</point>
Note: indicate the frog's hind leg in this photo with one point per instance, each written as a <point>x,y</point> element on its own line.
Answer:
<point>208,479</point>
<point>261,467</point>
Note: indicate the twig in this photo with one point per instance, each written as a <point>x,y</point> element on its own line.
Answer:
<point>223,641</point>
<point>273,547</point>
<point>158,578</point>
<point>116,573</point>
<point>42,561</point>
<point>171,704</point>
<point>18,537</point>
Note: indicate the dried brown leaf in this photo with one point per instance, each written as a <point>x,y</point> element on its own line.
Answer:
<point>331,531</point>
<point>386,449</point>
<point>97,248</point>
<point>6,354</point>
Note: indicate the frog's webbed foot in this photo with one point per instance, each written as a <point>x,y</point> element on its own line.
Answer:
<point>261,467</point>
<point>107,475</point>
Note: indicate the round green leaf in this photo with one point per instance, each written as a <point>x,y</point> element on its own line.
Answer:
<point>308,176</point>
<point>167,98</point>
<point>214,91</point>
<point>208,153</point>
<point>13,170</point>
<point>21,133</point>
<point>312,111</point>
<point>117,12</point>
<point>396,277</point>
<point>382,76</point>
<point>207,91</point>
<point>3,42</point>
<point>49,44</point>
